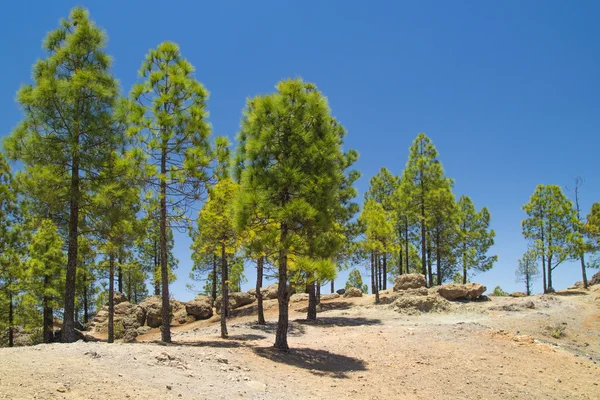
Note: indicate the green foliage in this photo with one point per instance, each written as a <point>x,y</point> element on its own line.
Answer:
<point>355,280</point>
<point>527,271</point>
<point>499,292</point>
<point>475,238</point>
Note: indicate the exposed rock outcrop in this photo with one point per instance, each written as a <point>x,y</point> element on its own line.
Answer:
<point>329,296</point>
<point>153,307</point>
<point>353,292</point>
<point>236,300</point>
<point>595,280</point>
<point>341,291</point>
<point>200,308</point>
<point>412,304</point>
<point>454,291</point>
<point>409,281</point>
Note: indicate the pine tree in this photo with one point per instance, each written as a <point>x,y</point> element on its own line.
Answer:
<point>475,238</point>
<point>527,271</point>
<point>45,272</point>
<point>549,224</point>
<point>591,231</point>
<point>168,119</point>
<point>423,174</point>
<point>291,165</point>
<point>444,221</point>
<point>66,128</point>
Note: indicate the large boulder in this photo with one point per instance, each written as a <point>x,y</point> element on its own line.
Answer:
<point>389,298</point>
<point>119,298</point>
<point>353,292</point>
<point>236,300</point>
<point>130,316</point>
<point>518,294</point>
<point>454,291</point>
<point>329,296</point>
<point>595,279</point>
<point>419,303</point>
<point>409,281</point>
<point>296,297</point>
<point>341,291</point>
<point>200,308</point>
<point>153,307</point>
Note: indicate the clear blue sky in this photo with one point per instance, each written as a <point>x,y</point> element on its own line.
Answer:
<point>508,91</point>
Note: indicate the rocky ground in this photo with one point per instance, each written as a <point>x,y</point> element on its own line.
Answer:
<point>541,347</point>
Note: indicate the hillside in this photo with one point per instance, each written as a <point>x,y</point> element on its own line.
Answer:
<point>541,347</point>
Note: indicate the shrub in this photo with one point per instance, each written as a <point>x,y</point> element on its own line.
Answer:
<point>499,292</point>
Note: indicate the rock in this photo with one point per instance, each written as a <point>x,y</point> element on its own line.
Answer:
<point>129,336</point>
<point>119,298</point>
<point>200,308</point>
<point>576,285</point>
<point>295,298</point>
<point>153,308</point>
<point>270,292</point>
<point>236,300</point>
<point>409,281</point>
<point>341,291</point>
<point>131,316</point>
<point>389,298</point>
<point>518,294</point>
<point>353,292</point>
<point>595,279</point>
<point>419,303</point>
<point>515,306</point>
<point>142,330</point>
<point>329,296</point>
<point>454,291</point>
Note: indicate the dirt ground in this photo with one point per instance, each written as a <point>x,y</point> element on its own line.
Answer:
<point>355,350</point>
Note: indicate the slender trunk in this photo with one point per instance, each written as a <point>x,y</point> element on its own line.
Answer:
<point>120,274</point>
<point>214,278</point>
<point>332,286</point>
<point>68,328</point>
<point>384,272</point>
<point>11,339</point>
<point>318,293</point>
<point>377,283</point>
<point>549,266</point>
<point>544,257</point>
<point>583,274</point>
<point>131,287</point>
<point>164,272</point>
<point>312,301</point>
<point>259,283</point>
<point>464,263</point>
<point>47,324</point>
<point>282,294</point>
<point>429,266</point>
<point>111,298</point>
<point>406,246</point>
<point>373,288</point>
<point>527,284</point>
<point>400,260</point>
<point>225,292</point>
<point>86,306</point>
<point>423,247</point>
<point>156,269</point>
<point>438,258</point>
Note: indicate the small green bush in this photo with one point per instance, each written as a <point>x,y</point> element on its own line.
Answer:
<point>499,292</point>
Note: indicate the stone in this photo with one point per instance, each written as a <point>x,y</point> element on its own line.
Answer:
<point>330,296</point>
<point>153,307</point>
<point>353,292</point>
<point>595,280</point>
<point>341,291</point>
<point>200,308</point>
<point>518,294</point>
<point>515,306</point>
<point>419,303</point>
<point>409,281</point>
<point>129,336</point>
<point>389,298</point>
<point>297,297</point>
<point>236,300</point>
<point>454,291</point>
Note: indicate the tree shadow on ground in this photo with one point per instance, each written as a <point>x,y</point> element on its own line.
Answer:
<point>318,362</point>
<point>271,328</point>
<point>246,337</point>
<point>338,305</point>
<point>225,343</point>
<point>339,321</point>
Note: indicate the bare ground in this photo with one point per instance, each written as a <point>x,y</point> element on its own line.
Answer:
<point>355,350</point>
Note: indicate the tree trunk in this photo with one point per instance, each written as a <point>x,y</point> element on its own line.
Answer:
<point>86,306</point>
<point>429,266</point>
<point>384,272</point>
<point>400,260</point>
<point>464,263</point>
<point>527,283</point>
<point>225,292</point>
<point>332,286</point>
<point>259,283</point>
<point>47,324</point>
<point>120,274</point>
<point>438,258</point>
<point>11,338</point>
<point>214,280</point>
<point>373,288</point>
<point>282,294</point>
<point>68,328</point>
<point>164,272</point>
<point>318,292</point>
<point>583,274</point>
<point>111,299</point>
<point>312,301</point>
<point>549,266</point>
<point>377,283</point>
<point>544,257</point>
<point>156,269</point>
<point>406,246</point>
